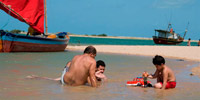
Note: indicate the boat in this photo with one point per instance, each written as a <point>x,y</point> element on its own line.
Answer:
<point>35,18</point>
<point>168,36</point>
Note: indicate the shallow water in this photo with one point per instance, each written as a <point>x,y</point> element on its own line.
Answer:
<point>14,67</point>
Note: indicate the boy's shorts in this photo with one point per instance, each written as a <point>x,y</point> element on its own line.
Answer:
<point>169,85</point>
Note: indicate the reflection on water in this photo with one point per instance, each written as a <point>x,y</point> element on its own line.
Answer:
<point>14,67</point>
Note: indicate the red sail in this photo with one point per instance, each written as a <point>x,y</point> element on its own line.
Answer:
<point>28,11</point>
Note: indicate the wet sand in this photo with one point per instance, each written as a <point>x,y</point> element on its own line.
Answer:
<point>196,70</point>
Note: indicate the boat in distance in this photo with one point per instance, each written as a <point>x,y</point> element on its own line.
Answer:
<point>36,19</point>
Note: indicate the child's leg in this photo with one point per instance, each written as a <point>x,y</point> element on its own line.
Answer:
<point>158,85</point>
<point>39,77</point>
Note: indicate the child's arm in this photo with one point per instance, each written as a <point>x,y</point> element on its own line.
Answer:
<point>100,75</point>
<point>165,76</point>
<point>154,75</point>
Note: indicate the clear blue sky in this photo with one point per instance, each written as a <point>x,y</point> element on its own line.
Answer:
<point>132,18</point>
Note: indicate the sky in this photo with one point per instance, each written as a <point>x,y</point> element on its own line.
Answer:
<point>129,18</point>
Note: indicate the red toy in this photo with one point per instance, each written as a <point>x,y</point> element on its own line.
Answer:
<point>138,82</point>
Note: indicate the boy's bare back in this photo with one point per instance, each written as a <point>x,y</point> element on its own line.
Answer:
<point>168,74</point>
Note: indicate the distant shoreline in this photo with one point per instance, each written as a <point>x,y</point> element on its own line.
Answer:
<point>116,37</point>
<point>121,37</point>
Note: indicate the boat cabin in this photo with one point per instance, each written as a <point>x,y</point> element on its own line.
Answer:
<point>166,34</point>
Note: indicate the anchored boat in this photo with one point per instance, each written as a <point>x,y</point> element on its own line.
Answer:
<point>168,36</point>
<point>34,17</point>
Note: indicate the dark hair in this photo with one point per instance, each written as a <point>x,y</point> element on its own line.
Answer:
<point>189,39</point>
<point>100,63</point>
<point>90,49</point>
<point>158,60</point>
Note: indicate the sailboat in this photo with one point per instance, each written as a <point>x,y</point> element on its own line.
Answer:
<point>33,13</point>
<point>168,36</point>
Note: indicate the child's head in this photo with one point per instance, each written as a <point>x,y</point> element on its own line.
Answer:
<point>100,66</point>
<point>158,60</point>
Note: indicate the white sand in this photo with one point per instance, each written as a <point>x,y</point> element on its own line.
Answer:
<point>179,52</point>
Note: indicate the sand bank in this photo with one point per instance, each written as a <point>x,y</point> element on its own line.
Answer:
<point>196,71</point>
<point>179,52</point>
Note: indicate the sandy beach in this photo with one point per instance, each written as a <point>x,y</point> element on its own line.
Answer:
<point>179,52</point>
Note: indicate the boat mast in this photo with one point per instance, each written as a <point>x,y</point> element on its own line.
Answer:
<point>186,30</point>
<point>45,12</point>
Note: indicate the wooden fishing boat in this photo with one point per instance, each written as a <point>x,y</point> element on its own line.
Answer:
<point>34,17</point>
<point>168,37</point>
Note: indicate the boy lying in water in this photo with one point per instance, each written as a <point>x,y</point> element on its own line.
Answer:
<point>100,69</point>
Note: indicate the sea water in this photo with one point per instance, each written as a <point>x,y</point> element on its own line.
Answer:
<point>116,41</point>
<point>14,67</point>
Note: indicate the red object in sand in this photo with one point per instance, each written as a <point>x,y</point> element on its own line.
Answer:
<point>137,82</point>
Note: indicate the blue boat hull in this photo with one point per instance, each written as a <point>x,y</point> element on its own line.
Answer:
<point>10,42</point>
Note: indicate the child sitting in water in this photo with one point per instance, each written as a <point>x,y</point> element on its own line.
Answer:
<point>165,76</point>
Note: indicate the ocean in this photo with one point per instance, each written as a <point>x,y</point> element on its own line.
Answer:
<point>15,67</point>
<point>115,41</point>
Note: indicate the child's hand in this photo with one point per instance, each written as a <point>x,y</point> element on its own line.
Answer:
<point>100,74</point>
<point>150,75</point>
